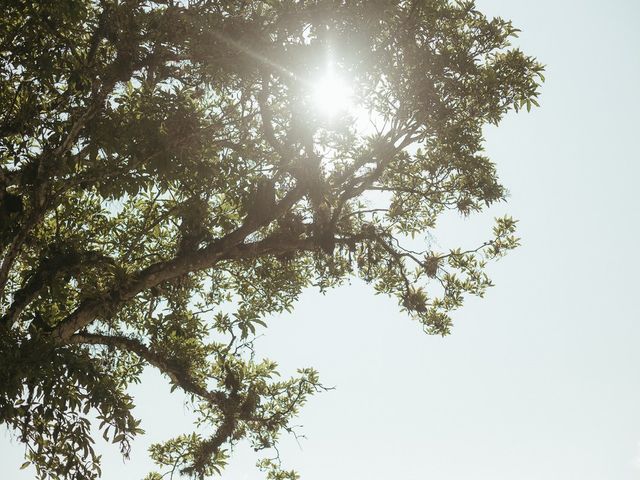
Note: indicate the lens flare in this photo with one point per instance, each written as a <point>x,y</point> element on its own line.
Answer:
<point>332,95</point>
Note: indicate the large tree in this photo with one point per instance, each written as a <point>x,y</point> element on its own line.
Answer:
<point>174,172</point>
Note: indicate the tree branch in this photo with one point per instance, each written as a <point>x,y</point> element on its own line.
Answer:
<point>228,247</point>
<point>177,375</point>
<point>45,272</point>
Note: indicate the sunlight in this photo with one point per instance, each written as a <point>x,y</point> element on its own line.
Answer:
<point>332,95</point>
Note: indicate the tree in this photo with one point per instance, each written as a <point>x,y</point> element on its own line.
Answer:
<point>167,181</point>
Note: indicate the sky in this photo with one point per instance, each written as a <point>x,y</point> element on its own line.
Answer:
<point>539,380</point>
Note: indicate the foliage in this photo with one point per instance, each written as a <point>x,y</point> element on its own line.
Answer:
<point>166,183</point>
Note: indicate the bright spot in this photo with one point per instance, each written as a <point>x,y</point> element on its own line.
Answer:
<point>332,95</point>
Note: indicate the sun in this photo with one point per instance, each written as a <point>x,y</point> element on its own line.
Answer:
<point>331,94</point>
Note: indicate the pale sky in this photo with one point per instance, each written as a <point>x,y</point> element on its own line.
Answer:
<point>539,380</point>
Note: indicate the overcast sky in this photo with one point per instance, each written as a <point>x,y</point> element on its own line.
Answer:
<point>539,380</point>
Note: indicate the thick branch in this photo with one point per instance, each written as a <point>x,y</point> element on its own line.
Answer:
<point>16,244</point>
<point>47,271</point>
<point>226,248</point>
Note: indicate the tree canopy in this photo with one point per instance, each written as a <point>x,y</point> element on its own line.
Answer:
<point>168,181</point>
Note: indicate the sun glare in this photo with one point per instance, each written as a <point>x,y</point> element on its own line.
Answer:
<point>332,95</point>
